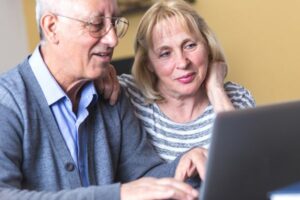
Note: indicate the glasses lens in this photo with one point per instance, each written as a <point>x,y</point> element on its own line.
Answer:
<point>98,28</point>
<point>121,25</point>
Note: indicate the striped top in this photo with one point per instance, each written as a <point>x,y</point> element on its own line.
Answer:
<point>170,139</point>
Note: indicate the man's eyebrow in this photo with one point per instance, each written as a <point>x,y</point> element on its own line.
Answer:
<point>95,15</point>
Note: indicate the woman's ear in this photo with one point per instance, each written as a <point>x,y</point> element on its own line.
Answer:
<point>48,24</point>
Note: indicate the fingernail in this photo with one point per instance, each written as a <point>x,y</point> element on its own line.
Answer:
<point>190,198</point>
<point>195,193</point>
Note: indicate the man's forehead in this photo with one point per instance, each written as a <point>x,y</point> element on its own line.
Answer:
<point>94,8</point>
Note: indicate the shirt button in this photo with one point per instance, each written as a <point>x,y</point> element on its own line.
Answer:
<point>70,167</point>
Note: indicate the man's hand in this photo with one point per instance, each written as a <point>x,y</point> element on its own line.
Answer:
<point>153,188</point>
<point>108,85</point>
<point>191,163</point>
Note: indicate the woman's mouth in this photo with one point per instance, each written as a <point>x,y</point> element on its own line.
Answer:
<point>188,78</point>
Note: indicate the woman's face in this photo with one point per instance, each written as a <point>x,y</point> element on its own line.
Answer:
<point>179,60</point>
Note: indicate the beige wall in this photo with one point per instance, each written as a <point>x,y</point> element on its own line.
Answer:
<point>261,40</point>
<point>13,36</point>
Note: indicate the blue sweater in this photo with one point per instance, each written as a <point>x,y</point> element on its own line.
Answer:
<point>35,162</point>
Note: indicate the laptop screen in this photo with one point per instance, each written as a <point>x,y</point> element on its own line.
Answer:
<point>253,152</point>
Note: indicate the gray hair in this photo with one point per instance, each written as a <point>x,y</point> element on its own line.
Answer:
<point>43,6</point>
<point>40,7</point>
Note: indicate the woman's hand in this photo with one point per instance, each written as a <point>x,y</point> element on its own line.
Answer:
<point>216,75</point>
<point>214,85</point>
<point>108,85</point>
<point>191,163</point>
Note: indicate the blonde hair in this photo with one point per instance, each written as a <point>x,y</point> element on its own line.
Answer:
<point>189,19</point>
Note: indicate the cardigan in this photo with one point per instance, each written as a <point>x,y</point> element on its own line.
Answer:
<point>35,162</point>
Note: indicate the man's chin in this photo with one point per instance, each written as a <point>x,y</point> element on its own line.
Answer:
<point>99,71</point>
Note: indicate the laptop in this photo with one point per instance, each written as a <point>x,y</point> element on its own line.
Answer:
<point>253,152</point>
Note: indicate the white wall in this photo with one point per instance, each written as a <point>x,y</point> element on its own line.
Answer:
<point>13,39</point>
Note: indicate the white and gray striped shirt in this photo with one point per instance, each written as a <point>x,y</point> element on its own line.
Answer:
<point>170,139</point>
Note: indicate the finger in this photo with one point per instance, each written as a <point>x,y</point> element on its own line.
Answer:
<point>191,163</point>
<point>152,188</point>
<point>200,163</point>
<point>116,88</point>
<point>108,82</point>
<point>180,173</point>
<point>99,85</point>
<point>205,153</point>
<point>161,192</point>
<point>201,171</point>
<point>114,95</point>
<point>108,88</point>
<point>171,193</point>
<point>191,171</point>
<point>157,193</point>
<point>180,189</point>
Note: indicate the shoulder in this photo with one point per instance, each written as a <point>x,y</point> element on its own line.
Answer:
<point>131,89</point>
<point>11,81</point>
<point>14,76</point>
<point>239,95</point>
<point>127,82</point>
<point>234,87</point>
<point>13,85</point>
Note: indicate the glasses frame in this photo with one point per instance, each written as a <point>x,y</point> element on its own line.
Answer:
<point>105,29</point>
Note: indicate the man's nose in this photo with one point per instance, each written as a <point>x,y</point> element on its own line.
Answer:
<point>110,38</point>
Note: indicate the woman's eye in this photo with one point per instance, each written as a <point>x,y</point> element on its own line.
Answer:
<point>164,54</point>
<point>190,45</point>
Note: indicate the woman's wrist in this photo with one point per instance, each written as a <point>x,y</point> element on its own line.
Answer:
<point>219,99</point>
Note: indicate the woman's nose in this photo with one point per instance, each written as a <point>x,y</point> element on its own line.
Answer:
<point>182,61</point>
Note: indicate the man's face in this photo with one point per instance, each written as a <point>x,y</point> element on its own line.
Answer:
<point>82,55</point>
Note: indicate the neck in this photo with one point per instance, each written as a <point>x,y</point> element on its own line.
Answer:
<point>71,84</point>
<point>184,109</point>
<point>73,92</point>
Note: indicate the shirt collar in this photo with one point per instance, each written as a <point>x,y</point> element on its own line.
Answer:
<point>51,89</point>
<point>88,95</point>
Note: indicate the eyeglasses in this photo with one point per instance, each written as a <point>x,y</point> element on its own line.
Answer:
<point>99,29</point>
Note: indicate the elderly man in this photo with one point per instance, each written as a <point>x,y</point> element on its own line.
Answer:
<point>58,138</point>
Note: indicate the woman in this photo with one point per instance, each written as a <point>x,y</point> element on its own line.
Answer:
<point>177,85</point>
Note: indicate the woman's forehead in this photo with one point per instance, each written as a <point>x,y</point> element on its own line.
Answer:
<point>168,27</point>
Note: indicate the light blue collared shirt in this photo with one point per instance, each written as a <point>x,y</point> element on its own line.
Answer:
<point>72,126</point>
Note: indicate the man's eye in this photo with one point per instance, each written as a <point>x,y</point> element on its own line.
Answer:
<point>96,27</point>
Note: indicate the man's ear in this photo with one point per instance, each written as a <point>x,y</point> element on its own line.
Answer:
<point>48,24</point>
